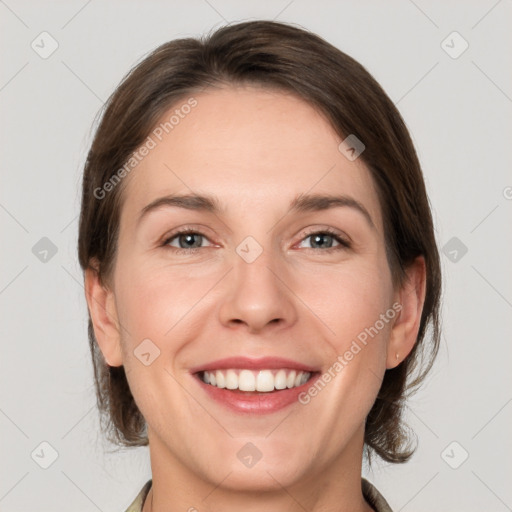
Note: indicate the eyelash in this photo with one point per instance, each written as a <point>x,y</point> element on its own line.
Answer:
<point>343,243</point>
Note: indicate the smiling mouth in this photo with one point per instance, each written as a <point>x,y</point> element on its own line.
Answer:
<point>255,381</point>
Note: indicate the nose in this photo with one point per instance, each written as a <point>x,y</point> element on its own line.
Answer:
<point>258,295</point>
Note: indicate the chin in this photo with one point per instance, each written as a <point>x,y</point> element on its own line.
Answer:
<point>260,478</point>
<point>262,465</point>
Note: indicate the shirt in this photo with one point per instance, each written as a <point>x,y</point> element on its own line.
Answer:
<point>370,493</point>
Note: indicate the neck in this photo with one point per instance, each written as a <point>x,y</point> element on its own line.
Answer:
<point>334,487</point>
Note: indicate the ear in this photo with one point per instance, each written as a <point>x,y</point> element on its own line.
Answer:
<point>411,297</point>
<point>102,309</point>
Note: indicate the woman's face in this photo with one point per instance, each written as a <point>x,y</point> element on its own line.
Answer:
<point>255,291</point>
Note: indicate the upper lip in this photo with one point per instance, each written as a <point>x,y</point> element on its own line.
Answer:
<point>262,363</point>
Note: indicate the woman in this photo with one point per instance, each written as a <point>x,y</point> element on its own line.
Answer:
<point>260,269</point>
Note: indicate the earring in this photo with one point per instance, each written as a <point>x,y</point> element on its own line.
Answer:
<point>397,356</point>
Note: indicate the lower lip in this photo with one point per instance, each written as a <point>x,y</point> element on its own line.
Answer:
<point>254,402</point>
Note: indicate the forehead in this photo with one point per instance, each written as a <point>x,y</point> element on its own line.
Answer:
<point>252,148</point>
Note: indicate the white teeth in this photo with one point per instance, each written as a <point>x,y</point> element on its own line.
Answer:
<point>231,379</point>
<point>280,379</point>
<point>290,380</point>
<point>246,381</point>
<point>221,381</point>
<point>262,380</point>
<point>265,381</point>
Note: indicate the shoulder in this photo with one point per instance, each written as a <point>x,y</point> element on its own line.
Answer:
<point>138,502</point>
<point>374,497</point>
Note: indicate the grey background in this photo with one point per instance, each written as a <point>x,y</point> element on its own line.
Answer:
<point>459,113</point>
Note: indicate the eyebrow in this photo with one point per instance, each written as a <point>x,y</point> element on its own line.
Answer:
<point>301,204</point>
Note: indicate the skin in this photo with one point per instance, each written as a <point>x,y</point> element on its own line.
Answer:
<point>256,150</point>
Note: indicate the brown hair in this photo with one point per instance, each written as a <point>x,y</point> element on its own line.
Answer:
<point>274,55</point>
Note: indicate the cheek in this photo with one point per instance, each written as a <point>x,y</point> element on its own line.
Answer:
<point>152,300</point>
<point>349,299</point>
<point>157,304</point>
